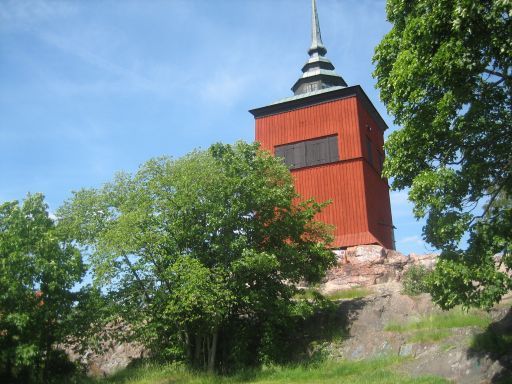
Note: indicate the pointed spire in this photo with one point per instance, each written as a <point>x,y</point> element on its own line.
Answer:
<point>318,72</point>
<point>317,46</point>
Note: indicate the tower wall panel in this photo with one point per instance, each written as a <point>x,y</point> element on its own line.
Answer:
<point>337,117</point>
<point>360,198</point>
<point>343,184</point>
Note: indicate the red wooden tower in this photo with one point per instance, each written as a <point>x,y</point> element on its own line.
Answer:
<point>332,137</point>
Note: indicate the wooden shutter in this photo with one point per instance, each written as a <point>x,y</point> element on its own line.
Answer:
<point>381,161</point>
<point>311,152</point>
<point>299,150</point>
<point>369,150</point>
<point>333,148</point>
<point>279,152</point>
<point>289,157</point>
<point>322,151</point>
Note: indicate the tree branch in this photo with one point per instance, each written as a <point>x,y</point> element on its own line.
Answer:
<point>489,204</point>
<point>495,73</point>
<point>137,278</point>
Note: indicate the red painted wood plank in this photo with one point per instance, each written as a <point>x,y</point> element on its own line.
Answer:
<point>360,210</point>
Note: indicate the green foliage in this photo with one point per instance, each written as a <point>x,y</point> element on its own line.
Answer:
<point>309,293</point>
<point>38,270</point>
<point>306,334</point>
<point>201,254</point>
<point>415,280</point>
<point>495,342</point>
<point>445,73</point>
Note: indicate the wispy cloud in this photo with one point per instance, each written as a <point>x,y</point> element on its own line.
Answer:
<point>89,57</point>
<point>412,240</point>
<point>400,205</point>
<point>92,86</point>
<point>224,88</point>
<point>23,14</point>
<point>399,197</point>
<point>115,77</point>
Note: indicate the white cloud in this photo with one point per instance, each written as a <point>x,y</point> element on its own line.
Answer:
<point>414,244</point>
<point>400,205</point>
<point>412,240</point>
<point>224,88</point>
<point>16,13</point>
<point>399,197</point>
<point>74,45</point>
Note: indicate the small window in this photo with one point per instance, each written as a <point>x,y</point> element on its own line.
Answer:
<point>333,148</point>
<point>369,150</point>
<point>308,153</point>
<point>381,161</point>
<point>317,152</point>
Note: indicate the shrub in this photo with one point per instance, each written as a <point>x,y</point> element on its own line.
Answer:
<point>415,280</point>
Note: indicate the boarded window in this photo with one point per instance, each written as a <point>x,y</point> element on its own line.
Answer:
<point>381,161</point>
<point>311,152</point>
<point>369,150</point>
<point>294,154</point>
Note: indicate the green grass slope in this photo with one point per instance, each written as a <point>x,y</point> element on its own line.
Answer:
<point>370,371</point>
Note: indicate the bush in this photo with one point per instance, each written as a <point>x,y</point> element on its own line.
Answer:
<point>415,280</point>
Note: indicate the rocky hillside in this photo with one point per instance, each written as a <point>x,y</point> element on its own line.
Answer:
<point>367,265</point>
<point>474,347</point>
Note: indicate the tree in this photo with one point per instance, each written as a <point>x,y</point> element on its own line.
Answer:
<point>190,247</point>
<point>38,270</point>
<point>444,72</point>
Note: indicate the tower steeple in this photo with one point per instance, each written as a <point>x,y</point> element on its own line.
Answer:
<point>325,134</point>
<point>318,72</point>
<point>317,46</point>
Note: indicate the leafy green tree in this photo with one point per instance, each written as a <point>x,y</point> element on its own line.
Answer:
<point>444,72</point>
<point>38,269</point>
<point>190,247</point>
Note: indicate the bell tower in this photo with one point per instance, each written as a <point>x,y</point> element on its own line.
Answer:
<point>331,137</point>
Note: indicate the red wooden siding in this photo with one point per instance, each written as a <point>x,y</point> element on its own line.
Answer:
<point>378,205</point>
<point>377,196</point>
<point>336,117</point>
<point>343,183</point>
<point>360,198</point>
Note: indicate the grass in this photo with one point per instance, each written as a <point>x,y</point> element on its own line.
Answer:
<point>369,371</point>
<point>309,293</point>
<point>346,294</point>
<point>436,327</point>
<point>429,336</point>
<point>351,293</point>
<point>447,347</point>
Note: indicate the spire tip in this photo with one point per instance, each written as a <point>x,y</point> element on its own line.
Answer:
<point>317,46</point>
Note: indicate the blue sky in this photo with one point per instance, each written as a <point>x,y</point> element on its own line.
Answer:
<point>88,88</point>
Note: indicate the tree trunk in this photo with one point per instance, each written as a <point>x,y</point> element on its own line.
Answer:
<point>7,376</point>
<point>212,351</point>
<point>47,345</point>
<point>188,346</point>
<point>197,351</point>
